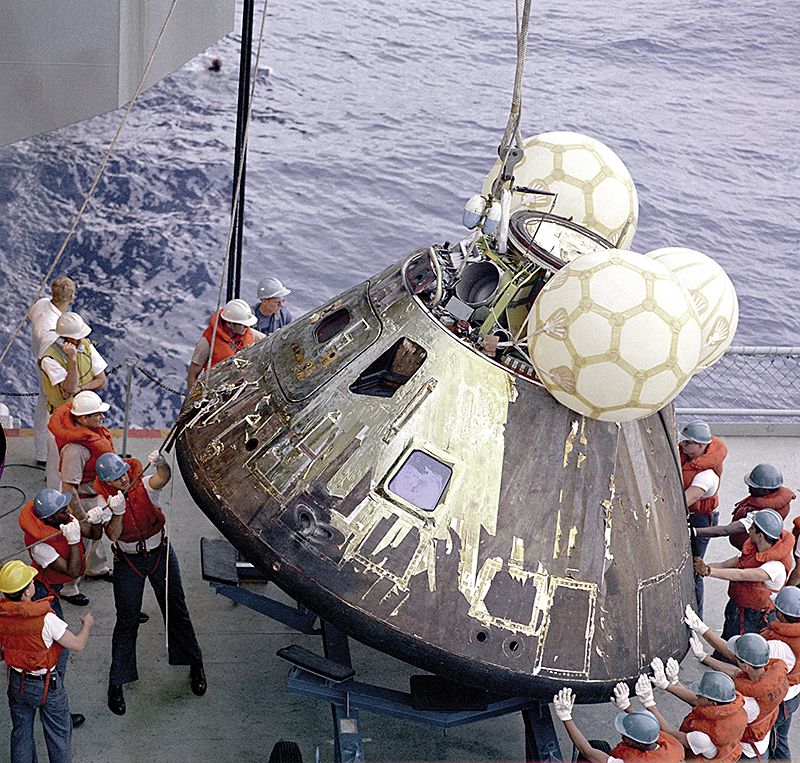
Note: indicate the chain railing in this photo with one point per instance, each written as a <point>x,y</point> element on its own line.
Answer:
<point>746,384</point>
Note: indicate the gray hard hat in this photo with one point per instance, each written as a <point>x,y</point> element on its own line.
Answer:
<point>695,431</point>
<point>110,467</point>
<point>640,725</point>
<point>751,648</point>
<point>787,600</point>
<point>48,502</point>
<point>769,522</point>
<point>766,476</point>
<point>716,686</point>
<point>272,287</point>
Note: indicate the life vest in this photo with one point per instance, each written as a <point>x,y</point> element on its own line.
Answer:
<point>141,519</point>
<point>52,392</point>
<point>37,529</point>
<point>711,459</point>
<point>768,691</point>
<point>724,725</point>
<point>226,343</point>
<point>753,594</point>
<point>779,501</point>
<point>669,750</point>
<point>21,624</point>
<point>65,430</point>
<point>789,633</point>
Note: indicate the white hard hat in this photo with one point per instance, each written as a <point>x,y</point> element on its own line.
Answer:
<point>88,402</point>
<point>238,311</point>
<point>271,287</point>
<point>72,326</point>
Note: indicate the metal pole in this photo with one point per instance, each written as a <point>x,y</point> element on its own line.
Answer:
<point>130,362</point>
<point>235,254</point>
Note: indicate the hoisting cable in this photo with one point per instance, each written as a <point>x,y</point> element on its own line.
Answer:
<point>94,183</point>
<point>510,157</point>
<point>236,193</point>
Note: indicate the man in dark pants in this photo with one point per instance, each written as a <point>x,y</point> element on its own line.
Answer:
<point>142,552</point>
<point>702,456</point>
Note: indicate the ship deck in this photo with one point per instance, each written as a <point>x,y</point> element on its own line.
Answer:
<point>247,709</point>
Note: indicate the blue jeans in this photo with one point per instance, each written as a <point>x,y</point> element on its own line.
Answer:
<point>779,742</point>
<point>740,620</point>
<point>701,544</point>
<point>130,573</point>
<point>24,698</point>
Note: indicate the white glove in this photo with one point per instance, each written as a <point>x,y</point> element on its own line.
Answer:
<point>117,503</point>
<point>697,646</point>
<point>694,622</point>
<point>672,670</point>
<point>562,704</point>
<point>621,696</point>
<point>157,458</point>
<point>94,516</point>
<point>659,676</point>
<point>72,531</point>
<point>644,691</point>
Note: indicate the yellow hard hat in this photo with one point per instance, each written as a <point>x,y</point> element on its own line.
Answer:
<point>16,576</point>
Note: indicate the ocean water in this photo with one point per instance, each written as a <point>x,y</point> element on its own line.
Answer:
<point>372,124</point>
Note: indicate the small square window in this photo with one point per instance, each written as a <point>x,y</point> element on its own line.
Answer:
<point>421,480</point>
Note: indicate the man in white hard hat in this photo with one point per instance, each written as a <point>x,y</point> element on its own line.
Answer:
<point>69,365</point>
<point>228,331</point>
<point>43,315</point>
<point>81,439</point>
<point>270,312</point>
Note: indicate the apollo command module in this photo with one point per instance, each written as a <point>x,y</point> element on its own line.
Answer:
<point>468,461</point>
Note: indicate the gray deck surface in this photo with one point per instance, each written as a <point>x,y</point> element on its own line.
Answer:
<point>247,709</point>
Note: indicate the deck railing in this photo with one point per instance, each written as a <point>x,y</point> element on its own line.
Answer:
<point>747,386</point>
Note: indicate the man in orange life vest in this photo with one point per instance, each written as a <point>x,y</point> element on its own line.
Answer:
<point>31,639</point>
<point>228,332</point>
<point>142,552</point>
<point>702,456</point>
<point>760,571</point>
<point>81,438</point>
<point>642,738</point>
<point>787,629</point>
<point>759,674</point>
<point>765,485</point>
<point>713,729</point>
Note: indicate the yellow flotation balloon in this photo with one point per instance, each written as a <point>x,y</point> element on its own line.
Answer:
<point>614,335</point>
<point>594,187</point>
<point>713,294</point>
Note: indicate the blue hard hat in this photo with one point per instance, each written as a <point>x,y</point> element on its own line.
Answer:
<point>640,725</point>
<point>769,522</point>
<point>110,467</point>
<point>787,600</point>
<point>48,502</point>
<point>716,686</point>
<point>765,476</point>
<point>695,431</point>
<point>751,648</point>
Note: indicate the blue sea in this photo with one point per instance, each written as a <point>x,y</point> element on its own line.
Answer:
<point>373,123</point>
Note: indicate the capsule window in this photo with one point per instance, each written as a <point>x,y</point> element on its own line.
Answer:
<point>421,480</point>
<point>332,325</point>
<point>390,371</point>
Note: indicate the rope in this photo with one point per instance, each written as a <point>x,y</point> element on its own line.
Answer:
<point>94,183</point>
<point>237,190</point>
